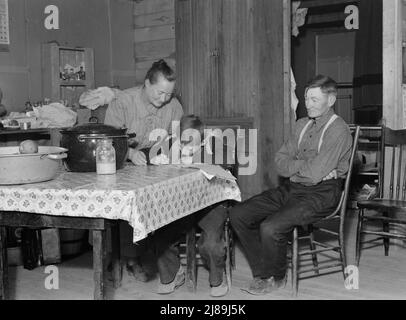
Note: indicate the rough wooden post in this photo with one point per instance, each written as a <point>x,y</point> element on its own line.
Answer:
<point>116,254</point>
<point>99,253</point>
<point>3,264</point>
<point>191,267</point>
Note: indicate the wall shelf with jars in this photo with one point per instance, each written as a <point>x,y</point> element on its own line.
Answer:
<point>66,72</point>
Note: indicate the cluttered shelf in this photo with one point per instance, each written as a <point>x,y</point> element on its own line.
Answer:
<point>366,177</point>
<point>42,122</point>
<point>72,83</point>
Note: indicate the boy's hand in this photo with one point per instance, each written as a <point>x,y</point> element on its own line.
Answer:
<point>160,159</point>
<point>137,157</point>
<point>331,175</point>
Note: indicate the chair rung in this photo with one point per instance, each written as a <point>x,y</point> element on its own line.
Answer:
<point>384,219</point>
<point>318,229</point>
<point>303,237</point>
<point>324,245</point>
<point>328,231</point>
<point>385,234</point>
<point>184,245</point>
<point>308,252</point>
<point>372,240</point>
<point>322,267</point>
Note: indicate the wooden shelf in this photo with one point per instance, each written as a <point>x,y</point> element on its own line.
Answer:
<point>72,83</point>
<point>368,173</point>
<point>370,141</point>
<point>58,60</point>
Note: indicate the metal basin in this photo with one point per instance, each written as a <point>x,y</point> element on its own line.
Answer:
<point>16,168</point>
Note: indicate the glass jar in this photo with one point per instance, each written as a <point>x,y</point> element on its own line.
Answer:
<point>105,157</point>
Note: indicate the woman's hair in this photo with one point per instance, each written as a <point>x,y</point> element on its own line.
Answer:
<point>160,68</point>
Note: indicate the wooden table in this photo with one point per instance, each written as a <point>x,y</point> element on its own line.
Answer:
<point>148,197</point>
<point>98,226</point>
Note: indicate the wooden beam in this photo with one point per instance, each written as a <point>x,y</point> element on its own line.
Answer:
<point>323,3</point>
<point>273,63</point>
<point>392,110</point>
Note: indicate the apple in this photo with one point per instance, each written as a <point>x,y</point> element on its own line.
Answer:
<point>28,146</point>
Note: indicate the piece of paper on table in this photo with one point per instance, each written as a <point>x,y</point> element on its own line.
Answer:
<point>210,171</point>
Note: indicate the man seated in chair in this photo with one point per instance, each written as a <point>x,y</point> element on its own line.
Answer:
<point>211,220</point>
<point>315,159</point>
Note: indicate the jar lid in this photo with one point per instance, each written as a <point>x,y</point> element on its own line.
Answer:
<point>95,128</point>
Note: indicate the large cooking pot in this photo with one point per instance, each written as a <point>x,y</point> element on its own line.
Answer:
<point>16,168</point>
<point>81,141</point>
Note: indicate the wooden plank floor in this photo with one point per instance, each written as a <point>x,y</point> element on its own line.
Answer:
<point>380,278</point>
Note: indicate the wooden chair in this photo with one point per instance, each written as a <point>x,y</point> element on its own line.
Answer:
<point>385,208</point>
<point>322,247</point>
<point>191,258</point>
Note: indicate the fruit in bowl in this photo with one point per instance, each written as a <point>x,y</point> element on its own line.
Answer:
<point>28,146</point>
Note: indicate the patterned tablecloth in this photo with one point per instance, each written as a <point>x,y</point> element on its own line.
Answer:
<point>148,197</point>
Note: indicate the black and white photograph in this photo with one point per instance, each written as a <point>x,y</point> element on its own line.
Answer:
<point>203,154</point>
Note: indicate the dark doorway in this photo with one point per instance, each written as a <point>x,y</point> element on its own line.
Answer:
<point>352,57</point>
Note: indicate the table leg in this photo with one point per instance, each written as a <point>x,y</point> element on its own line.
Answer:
<point>99,254</point>
<point>3,264</point>
<point>116,255</point>
<point>191,266</point>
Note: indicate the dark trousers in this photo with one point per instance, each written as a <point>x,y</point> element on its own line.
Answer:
<point>211,243</point>
<point>265,222</point>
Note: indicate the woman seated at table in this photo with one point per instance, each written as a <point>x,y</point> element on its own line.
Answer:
<point>211,220</point>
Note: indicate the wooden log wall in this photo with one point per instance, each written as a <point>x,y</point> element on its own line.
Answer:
<point>154,34</point>
<point>233,60</point>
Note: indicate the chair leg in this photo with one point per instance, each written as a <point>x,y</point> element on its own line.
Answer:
<point>3,264</point>
<point>386,229</point>
<point>191,265</point>
<point>343,258</point>
<point>295,256</point>
<point>313,247</point>
<point>228,255</point>
<point>359,237</point>
<point>231,243</point>
<point>232,250</point>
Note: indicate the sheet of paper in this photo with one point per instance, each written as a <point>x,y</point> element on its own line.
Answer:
<point>210,171</point>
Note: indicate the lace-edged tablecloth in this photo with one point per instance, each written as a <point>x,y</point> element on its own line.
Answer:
<point>148,197</point>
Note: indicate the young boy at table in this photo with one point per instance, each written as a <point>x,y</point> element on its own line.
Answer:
<point>211,220</point>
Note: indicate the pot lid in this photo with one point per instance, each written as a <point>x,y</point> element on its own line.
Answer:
<point>95,128</point>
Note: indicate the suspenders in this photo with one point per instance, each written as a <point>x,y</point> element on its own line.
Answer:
<point>333,117</point>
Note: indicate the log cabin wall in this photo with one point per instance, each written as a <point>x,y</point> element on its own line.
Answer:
<point>233,59</point>
<point>154,34</point>
<point>104,25</point>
